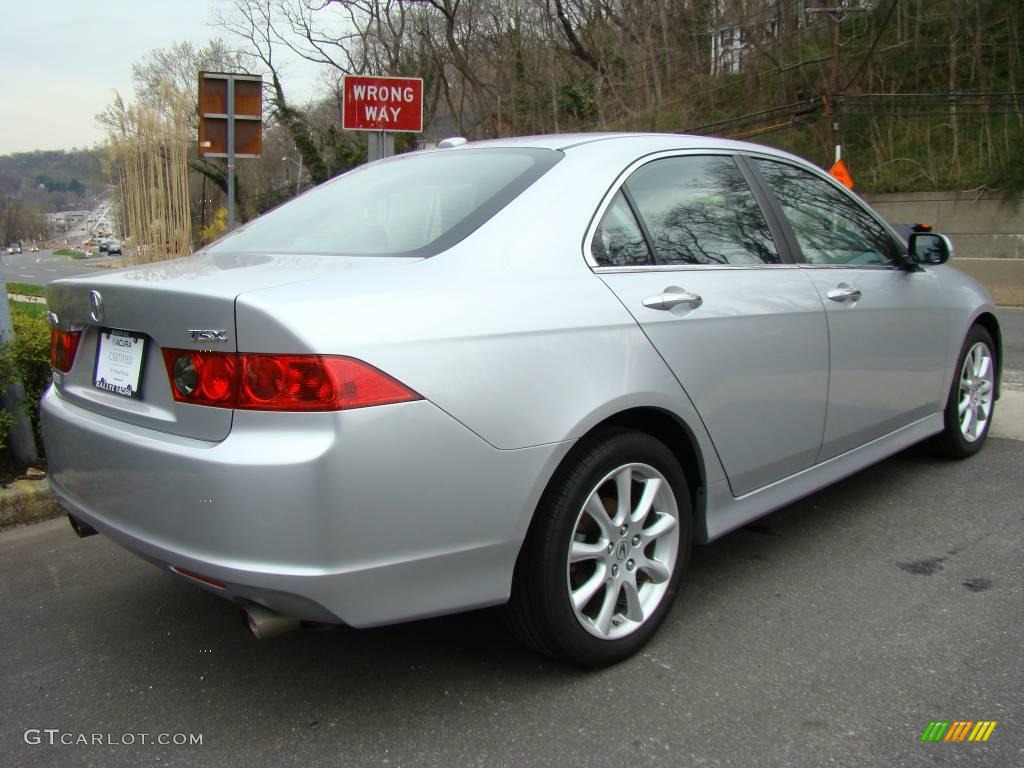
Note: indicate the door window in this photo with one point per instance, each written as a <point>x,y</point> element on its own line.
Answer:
<point>830,227</point>
<point>700,210</point>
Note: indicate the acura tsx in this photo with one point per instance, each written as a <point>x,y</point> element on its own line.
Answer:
<point>527,372</point>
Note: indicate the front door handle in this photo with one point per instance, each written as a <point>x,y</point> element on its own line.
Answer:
<point>844,293</point>
<point>673,296</point>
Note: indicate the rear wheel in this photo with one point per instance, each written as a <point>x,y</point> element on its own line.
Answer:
<point>606,552</point>
<point>971,400</point>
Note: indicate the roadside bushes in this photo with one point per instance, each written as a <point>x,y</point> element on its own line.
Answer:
<point>26,357</point>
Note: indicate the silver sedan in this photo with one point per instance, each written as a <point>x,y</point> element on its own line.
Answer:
<point>527,372</point>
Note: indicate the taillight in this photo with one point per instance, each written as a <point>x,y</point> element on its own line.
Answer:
<point>63,347</point>
<point>203,378</point>
<point>279,382</point>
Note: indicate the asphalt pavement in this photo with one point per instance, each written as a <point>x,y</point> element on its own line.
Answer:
<point>830,633</point>
<point>45,266</point>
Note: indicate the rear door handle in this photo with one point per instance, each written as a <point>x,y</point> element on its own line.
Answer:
<point>843,294</point>
<point>673,296</point>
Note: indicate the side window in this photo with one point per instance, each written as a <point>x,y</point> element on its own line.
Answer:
<point>830,227</point>
<point>700,210</point>
<point>618,241</point>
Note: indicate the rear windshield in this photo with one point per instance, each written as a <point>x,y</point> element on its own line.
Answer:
<point>417,204</point>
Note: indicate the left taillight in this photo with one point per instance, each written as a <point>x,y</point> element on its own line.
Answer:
<point>267,382</point>
<point>63,347</point>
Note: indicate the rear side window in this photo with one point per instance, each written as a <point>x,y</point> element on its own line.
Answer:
<point>700,210</point>
<point>412,205</point>
<point>619,241</point>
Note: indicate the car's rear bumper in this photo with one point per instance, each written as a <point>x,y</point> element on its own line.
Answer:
<point>367,516</point>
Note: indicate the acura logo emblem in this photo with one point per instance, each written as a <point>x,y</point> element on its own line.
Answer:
<point>622,550</point>
<point>96,303</point>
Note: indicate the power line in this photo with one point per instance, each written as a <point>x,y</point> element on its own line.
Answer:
<point>979,104</point>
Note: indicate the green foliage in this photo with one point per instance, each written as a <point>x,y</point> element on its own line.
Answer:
<point>8,374</point>
<point>342,153</point>
<point>31,308</point>
<point>26,357</point>
<point>70,253</point>
<point>901,129</point>
<point>25,289</point>
<point>577,99</point>
<point>75,187</point>
<point>217,227</point>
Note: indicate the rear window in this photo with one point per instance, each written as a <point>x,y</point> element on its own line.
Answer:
<point>417,204</point>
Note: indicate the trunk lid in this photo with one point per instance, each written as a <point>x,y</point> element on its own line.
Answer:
<point>164,304</point>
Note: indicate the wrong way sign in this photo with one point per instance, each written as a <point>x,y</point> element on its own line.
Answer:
<point>383,103</point>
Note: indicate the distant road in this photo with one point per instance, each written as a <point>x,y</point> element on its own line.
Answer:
<point>42,267</point>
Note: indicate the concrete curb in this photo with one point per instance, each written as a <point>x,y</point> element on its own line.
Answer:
<point>1009,418</point>
<point>27,501</point>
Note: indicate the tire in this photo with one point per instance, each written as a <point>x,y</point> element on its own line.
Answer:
<point>973,389</point>
<point>604,606</point>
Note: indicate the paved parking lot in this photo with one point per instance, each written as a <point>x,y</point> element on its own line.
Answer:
<point>831,633</point>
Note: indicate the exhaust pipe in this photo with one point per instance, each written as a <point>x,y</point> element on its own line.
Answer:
<point>264,623</point>
<point>80,527</point>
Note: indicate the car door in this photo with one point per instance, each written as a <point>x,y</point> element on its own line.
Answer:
<point>885,321</point>
<point>684,244</point>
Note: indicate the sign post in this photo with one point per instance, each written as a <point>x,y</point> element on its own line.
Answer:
<point>382,105</point>
<point>230,122</point>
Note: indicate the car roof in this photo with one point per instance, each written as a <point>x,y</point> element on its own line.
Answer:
<point>642,143</point>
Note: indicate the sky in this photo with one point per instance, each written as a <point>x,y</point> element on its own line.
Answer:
<point>62,60</point>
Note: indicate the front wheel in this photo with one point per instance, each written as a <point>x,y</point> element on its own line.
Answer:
<point>606,552</point>
<point>971,400</point>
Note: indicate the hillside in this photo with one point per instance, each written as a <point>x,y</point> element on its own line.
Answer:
<point>926,94</point>
<point>51,180</point>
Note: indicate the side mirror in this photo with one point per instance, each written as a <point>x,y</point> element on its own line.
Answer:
<point>929,248</point>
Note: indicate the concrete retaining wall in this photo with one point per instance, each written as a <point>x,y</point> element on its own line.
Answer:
<point>987,231</point>
<point>981,225</point>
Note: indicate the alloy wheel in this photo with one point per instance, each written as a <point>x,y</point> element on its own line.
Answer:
<point>977,385</point>
<point>624,549</point>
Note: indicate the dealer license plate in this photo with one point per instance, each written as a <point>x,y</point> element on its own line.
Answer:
<point>119,358</point>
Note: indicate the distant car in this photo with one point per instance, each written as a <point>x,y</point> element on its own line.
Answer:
<point>104,246</point>
<point>529,371</point>
<point>34,249</point>
<point>14,246</point>
<point>113,247</point>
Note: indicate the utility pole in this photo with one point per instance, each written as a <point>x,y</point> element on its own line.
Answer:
<point>231,154</point>
<point>835,98</point>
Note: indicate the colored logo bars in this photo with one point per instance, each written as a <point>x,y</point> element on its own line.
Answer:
<point>958,730</point>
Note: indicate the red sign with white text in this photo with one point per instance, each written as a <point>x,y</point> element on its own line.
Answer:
<point>383,104</point>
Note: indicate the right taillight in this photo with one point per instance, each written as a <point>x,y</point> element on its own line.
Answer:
<point>268,382</point>
<point>63,347</point>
